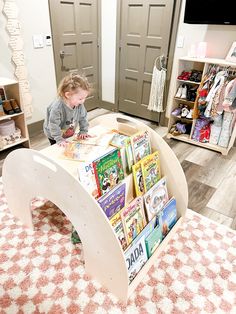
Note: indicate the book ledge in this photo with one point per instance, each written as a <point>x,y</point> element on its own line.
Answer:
<point>45,174</point>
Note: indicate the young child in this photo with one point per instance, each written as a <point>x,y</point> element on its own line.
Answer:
<point>68,111</point>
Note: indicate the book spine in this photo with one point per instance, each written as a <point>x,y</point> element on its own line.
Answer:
<point>96,178</point>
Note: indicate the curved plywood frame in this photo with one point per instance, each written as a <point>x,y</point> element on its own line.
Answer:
<point>38,175</point>
<point>55,179</point>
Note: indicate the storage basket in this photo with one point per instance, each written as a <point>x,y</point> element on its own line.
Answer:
<point>7,127</point>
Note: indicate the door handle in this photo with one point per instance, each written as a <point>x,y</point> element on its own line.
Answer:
<point>63,54</point>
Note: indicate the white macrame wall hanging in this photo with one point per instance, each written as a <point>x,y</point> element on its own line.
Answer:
<point>13,27</point>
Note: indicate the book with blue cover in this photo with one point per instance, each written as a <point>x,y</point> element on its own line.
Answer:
<point>168,216</point>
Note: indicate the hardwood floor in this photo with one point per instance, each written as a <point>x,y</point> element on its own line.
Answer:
<point>211,177</point>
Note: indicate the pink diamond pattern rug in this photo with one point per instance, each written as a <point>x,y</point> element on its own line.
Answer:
<point>41,271</point>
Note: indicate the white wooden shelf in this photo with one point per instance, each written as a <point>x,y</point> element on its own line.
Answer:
<point>188,82</point>
<point>183,100</point>
<point>185,64</point>
<point>46,174</point>
<point>9,116</point>
<point>186,138</point>
<point>11,88</point>
<point>20,141</point>
<point>210,61</point>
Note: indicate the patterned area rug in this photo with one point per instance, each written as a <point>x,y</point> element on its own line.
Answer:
<point>41,271</point>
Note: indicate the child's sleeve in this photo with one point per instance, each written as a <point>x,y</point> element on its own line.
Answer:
<point>83,120</point>
<point>54,125</point>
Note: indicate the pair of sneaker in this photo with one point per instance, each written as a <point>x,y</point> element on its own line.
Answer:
<point>184,76</point>
<point>182,112</point>
<point>187,113</point>
<point>182,91</point>
<point>180,128</point>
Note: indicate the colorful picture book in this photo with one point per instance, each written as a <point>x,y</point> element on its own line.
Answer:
<point>136,257</point>
<point>141,146</point>
<point>99,136</point>
<point>83,152</point>
<point>153,240</point>
<point>108,171</point>
<point>138,179</point>
<point>133,219</point>
<point>136,254</point>
<point>156,198</point>
<point>118,139</point>
<point>117,225</point>
<point>151,170</point>
<point>168,216</point>
<point>114,200</point>
<point>87,177</point>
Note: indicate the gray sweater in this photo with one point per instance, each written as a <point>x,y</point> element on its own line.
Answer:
<point>62,121</point>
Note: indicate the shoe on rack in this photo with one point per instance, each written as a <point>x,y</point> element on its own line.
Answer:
<point>177,111</point>
<point>184,92</point>
<point>184,112</point>
<point>199,76</point>
<point>179,92</point>
<point>186,76</point>
<point>172,129</point>
<point>181,127</point>
<point>190,114</point>
<point>183,74</point>
<point>7,107</point>
<point>15,106</point>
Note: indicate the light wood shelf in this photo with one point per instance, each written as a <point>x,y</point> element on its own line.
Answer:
<point>187,63</point>
<point>12,91</point>
<point>48,175</point>
<point>9,116</point>
<point>188,82</point>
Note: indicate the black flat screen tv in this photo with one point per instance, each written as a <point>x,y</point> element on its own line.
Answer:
<point>210,12</point>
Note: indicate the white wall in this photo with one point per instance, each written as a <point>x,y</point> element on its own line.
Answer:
<point>219,39</point>
<point>108,51</point>
<point>34,19</point>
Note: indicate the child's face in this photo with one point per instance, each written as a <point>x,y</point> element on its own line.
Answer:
<point>74,99</point>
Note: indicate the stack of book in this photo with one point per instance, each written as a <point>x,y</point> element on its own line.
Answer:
<point>141,223</point>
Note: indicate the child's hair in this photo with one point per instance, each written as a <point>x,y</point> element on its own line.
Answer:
<point>72,82</point>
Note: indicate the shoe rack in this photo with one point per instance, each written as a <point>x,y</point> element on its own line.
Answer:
<point>103,254</point>
<point>187,64</point>
<point>12,109</point>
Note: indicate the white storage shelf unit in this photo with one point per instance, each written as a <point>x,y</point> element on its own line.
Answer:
<point>187,64</point>
<point>56,179</point>
<point>11,88</point>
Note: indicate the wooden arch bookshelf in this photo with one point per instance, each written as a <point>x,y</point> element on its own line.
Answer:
<point>45,174</point>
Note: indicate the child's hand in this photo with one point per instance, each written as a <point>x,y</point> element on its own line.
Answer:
<point>62,143</point>
<point>83,136</point>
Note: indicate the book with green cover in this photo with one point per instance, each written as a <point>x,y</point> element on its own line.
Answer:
<point>108,171</point>
<point>153,240</point>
